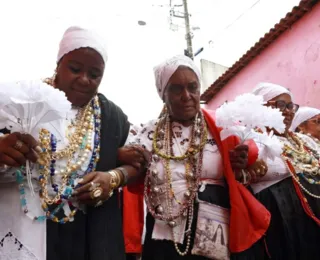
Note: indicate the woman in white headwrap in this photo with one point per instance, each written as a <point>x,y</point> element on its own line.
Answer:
<point>307,121</point>
<point>86,225</point>
<point>290,190</point>
<point>196,207</point>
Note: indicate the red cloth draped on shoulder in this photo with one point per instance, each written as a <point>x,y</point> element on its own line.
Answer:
<point>133,221</point>
<point>249,219</point>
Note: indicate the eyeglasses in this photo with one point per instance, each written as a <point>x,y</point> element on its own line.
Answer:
<point>282,105</point>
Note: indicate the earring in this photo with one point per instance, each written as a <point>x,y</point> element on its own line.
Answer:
<point>163,111</point>
<point>54,77</point>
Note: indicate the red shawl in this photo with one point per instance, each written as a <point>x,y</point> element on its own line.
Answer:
<point>133,221</point>
<point>249,220</point>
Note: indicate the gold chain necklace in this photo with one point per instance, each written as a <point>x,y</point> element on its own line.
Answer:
<point>84,127</point>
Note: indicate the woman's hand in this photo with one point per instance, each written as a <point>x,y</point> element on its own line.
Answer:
<point>133,155</point>
<point>17,148</point>
<point>91,182</point>
<point>257,170</point>
<point>239,157</point>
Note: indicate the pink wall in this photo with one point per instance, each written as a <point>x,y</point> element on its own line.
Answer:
<point>291,61</point>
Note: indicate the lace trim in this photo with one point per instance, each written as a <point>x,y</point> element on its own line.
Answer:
<point>12,249</point>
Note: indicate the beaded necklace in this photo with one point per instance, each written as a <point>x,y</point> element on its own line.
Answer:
<point>88,121</point>
<point>316,140</point>
<point>304,159</point>
<point>192,159</point>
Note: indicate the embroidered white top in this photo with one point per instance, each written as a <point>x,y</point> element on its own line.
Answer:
<point>20,237</point>
<point>212,169</point>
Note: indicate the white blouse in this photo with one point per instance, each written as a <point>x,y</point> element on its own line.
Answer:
<point>20,237</point>
<point>212,168</point>
<point>277,169</point>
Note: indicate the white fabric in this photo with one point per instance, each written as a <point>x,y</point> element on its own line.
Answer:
<point>212,168</point>
<point>303,114</point>
<point>166,69</point>
<point>32,235</point>
<point>277,170</point>
<point>76,38</point>
<point>269,91</point>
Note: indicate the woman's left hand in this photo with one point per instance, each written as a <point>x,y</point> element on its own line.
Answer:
<point>91,182</point>
<point>257,170</point>
<point>239,157</point>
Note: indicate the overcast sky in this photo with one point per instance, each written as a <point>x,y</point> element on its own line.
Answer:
<point>31,31</point>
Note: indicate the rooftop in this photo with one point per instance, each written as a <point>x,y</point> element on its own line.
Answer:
<point>285,23</point>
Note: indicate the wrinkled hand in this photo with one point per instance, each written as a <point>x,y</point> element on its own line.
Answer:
<point>239,157</point>
<point>133,155</point>
<point>257,170</point>
<point>101,180</point>
<point>17,148</point>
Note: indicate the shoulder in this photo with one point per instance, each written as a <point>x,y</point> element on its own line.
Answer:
<point>143,134</point>
<point>111,106</point>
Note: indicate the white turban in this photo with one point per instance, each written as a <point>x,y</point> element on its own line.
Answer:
<point>269,91</point>
<point>165,70</point>
<point>76,38</point>
<point>302,115</point>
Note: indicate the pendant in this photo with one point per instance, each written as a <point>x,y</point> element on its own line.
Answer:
<point>187,194</point>
<point>155,158</point>
<point>159,210</point>
<point>154,173</point>
<point>172,224</point>
<point>156,189</point>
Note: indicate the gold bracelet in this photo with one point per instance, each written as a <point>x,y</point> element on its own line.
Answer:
<point>115,179</point>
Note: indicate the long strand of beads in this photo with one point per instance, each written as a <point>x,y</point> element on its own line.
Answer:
<point>300,194</point>
<point>156,212</point>
<point>80,139</point>
<point>165,151</point>
<point>296,179</point>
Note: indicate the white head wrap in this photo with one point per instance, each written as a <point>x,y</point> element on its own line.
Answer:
<point>302,115</point>
<point>165,70</point>
<point>269,91</point>
<point>76,38</point>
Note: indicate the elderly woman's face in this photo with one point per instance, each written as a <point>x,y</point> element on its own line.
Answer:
<point>311,126</point>
<point>182,95</point>
<point>79,74</point>
<point>288,109</point>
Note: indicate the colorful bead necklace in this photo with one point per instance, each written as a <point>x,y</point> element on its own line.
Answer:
<point>88,120</point>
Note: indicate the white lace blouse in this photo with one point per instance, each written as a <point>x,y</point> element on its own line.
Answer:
<point>20,237</point>
<point>212,168</point>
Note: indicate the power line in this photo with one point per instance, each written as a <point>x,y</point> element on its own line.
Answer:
<point>239,17</point>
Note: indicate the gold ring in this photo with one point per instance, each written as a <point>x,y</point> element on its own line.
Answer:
<point>96,193</point>
<point>99,203</point>
<point>93,186</point>
<point>18,145</point>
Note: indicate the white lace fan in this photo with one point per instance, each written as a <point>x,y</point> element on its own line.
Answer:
<point>28,106</point>
<point>246,113</point>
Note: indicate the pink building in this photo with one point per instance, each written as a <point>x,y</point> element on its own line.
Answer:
<point>288,55</point>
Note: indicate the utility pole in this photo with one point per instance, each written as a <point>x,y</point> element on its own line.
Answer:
<point>188,31</point>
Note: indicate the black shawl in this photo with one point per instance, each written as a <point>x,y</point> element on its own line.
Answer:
<point>98,234</point>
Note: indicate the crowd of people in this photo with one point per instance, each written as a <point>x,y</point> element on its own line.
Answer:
<point>197,196</point>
